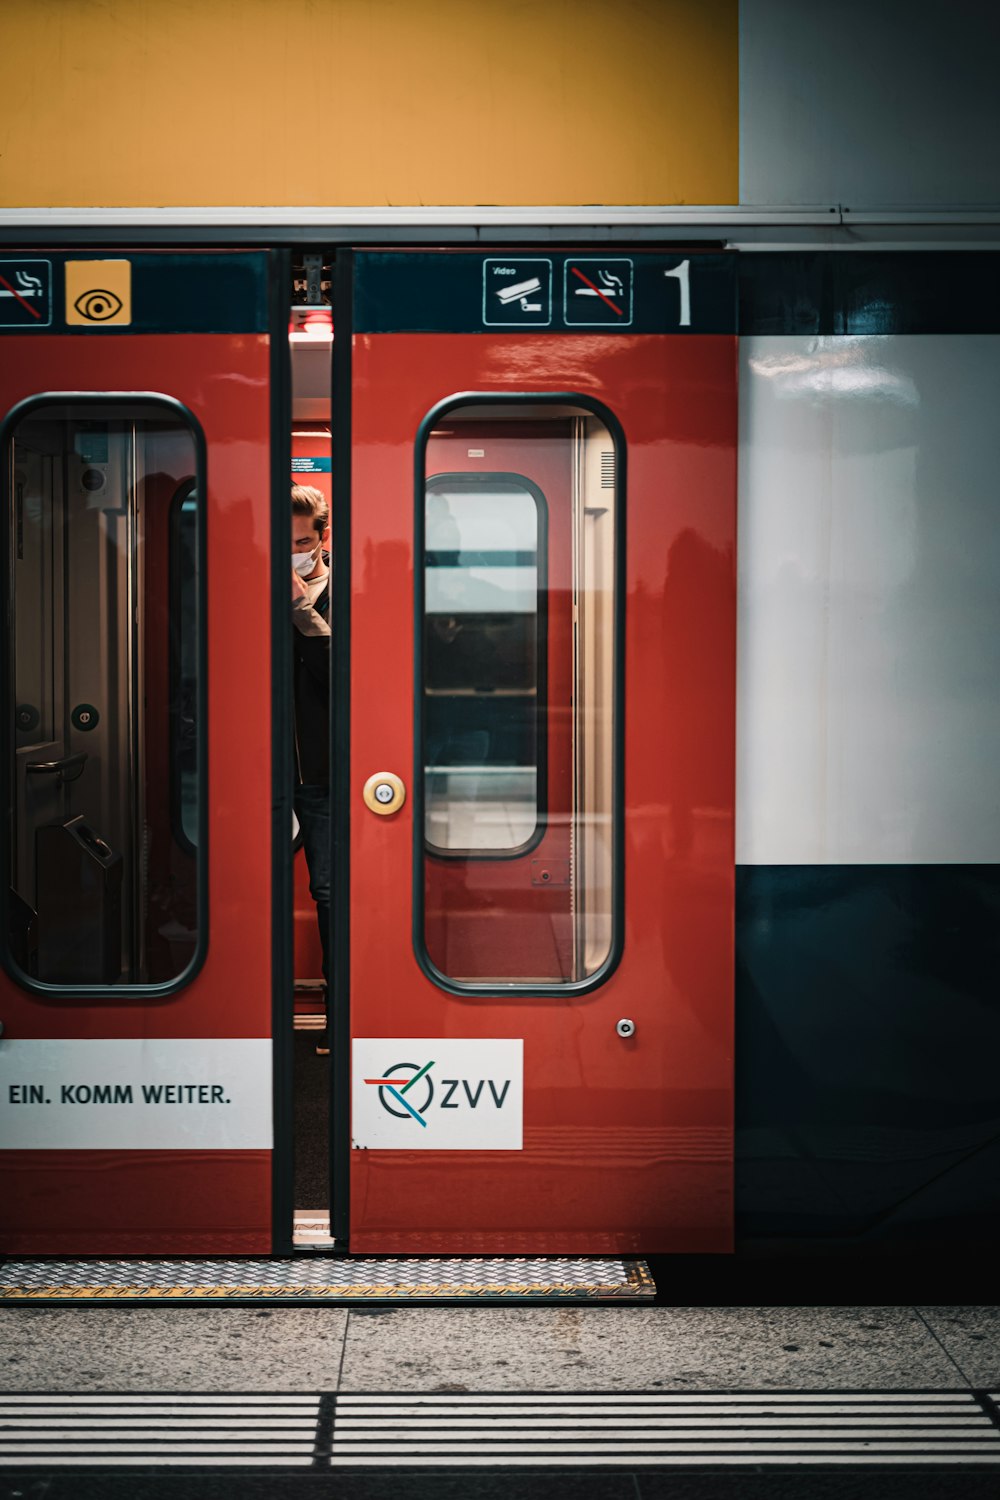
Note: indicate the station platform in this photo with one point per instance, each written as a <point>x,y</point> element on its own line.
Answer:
<point>609,1401</point>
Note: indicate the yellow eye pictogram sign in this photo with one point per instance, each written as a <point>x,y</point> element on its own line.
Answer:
<point>98,292</point>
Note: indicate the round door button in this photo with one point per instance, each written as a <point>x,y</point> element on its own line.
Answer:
<point>85,717</point>
<point>384,793</point>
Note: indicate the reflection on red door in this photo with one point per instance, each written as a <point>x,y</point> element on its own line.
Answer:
<point>499,916</point>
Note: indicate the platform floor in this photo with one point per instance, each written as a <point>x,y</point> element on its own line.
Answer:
<point>464,1350</point>
<point>612,1403</point>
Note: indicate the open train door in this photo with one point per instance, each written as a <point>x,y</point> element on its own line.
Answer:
<point>537,991</point>
<point>143,429</point>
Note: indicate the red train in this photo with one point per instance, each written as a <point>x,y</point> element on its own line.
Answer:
<point>533,701</point>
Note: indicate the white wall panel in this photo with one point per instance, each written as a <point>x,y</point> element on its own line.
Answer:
<point>869,103</point>
<point>869,606</point>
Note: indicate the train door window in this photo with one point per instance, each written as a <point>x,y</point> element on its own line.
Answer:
<point>105,667</point>
<point>518,694</point>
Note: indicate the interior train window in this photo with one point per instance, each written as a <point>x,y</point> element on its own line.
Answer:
<point>517,781</point>
<point>484,643</point>
<point>105,676</point>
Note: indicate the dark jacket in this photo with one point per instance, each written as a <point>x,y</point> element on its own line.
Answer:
<point>311,688</point>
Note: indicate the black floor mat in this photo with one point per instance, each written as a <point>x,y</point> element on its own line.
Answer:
<point>312,1146</point>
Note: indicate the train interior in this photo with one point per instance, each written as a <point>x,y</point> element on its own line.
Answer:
<point>310,342</point>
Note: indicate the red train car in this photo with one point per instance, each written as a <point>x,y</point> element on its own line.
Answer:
<point>532,466</point>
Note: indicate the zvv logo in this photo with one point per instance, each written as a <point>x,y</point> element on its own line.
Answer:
<point>396,1085</point>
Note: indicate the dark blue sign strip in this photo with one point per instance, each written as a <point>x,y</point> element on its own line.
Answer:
<point>860,292</point>
<point>589,293</point>
<point>854,292</point>
<point>170,293</point>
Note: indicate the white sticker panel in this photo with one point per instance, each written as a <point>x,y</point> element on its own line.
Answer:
<point>137,1094</point>
<point>424,1094</point>
<point>868,719</point>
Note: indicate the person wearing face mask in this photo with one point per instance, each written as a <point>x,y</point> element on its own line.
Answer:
<point>311,689</point>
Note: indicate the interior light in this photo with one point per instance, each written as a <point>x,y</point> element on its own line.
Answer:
<point>310,325</point>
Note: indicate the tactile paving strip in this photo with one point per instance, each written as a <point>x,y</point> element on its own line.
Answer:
<point>663,1430</point>
<point>328,1279</point>
<point>388,1430</point>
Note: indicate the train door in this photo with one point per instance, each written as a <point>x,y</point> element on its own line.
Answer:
<point>536,977</point>
<point>141,438</point>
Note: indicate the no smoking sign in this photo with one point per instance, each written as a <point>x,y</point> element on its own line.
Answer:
<point>598,293</point>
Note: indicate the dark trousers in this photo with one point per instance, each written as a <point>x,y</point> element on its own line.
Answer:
<point>312,808</point>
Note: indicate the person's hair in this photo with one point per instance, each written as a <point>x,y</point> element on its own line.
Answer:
<point>307,501</point>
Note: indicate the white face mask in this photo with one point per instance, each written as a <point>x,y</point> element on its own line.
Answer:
<point>304,562</point>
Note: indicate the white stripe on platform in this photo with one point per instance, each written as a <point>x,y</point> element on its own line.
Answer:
<point>223,1423</point>
<point>663,1461</point>
<point>42,1448</point>
<point>243,1431</point>
<point>404,1417</point>
<point>611,1398</point>
<point>180,1445</point>
<point>237,1398</point>
<point>871,1428</point>
<point>740,1444</point>
<point>117,1460</point>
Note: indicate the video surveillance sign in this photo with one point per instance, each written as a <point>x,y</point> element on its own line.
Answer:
<point>517,293</point>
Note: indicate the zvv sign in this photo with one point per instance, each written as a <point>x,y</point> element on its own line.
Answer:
<point>431,1094</point>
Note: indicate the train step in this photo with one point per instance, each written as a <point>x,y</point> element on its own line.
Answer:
<point>329,1279</point>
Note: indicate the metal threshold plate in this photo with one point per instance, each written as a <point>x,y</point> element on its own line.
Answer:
<point>330,1279</point>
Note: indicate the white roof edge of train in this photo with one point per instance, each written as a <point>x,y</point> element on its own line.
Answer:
<point>598,215</point>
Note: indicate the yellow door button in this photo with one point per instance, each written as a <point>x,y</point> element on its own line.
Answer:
<point>384,793</point>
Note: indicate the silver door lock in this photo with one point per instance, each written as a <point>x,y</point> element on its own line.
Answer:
<point>625,1027</point>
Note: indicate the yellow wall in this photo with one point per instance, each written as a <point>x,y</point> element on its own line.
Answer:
<point>376,102</point>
